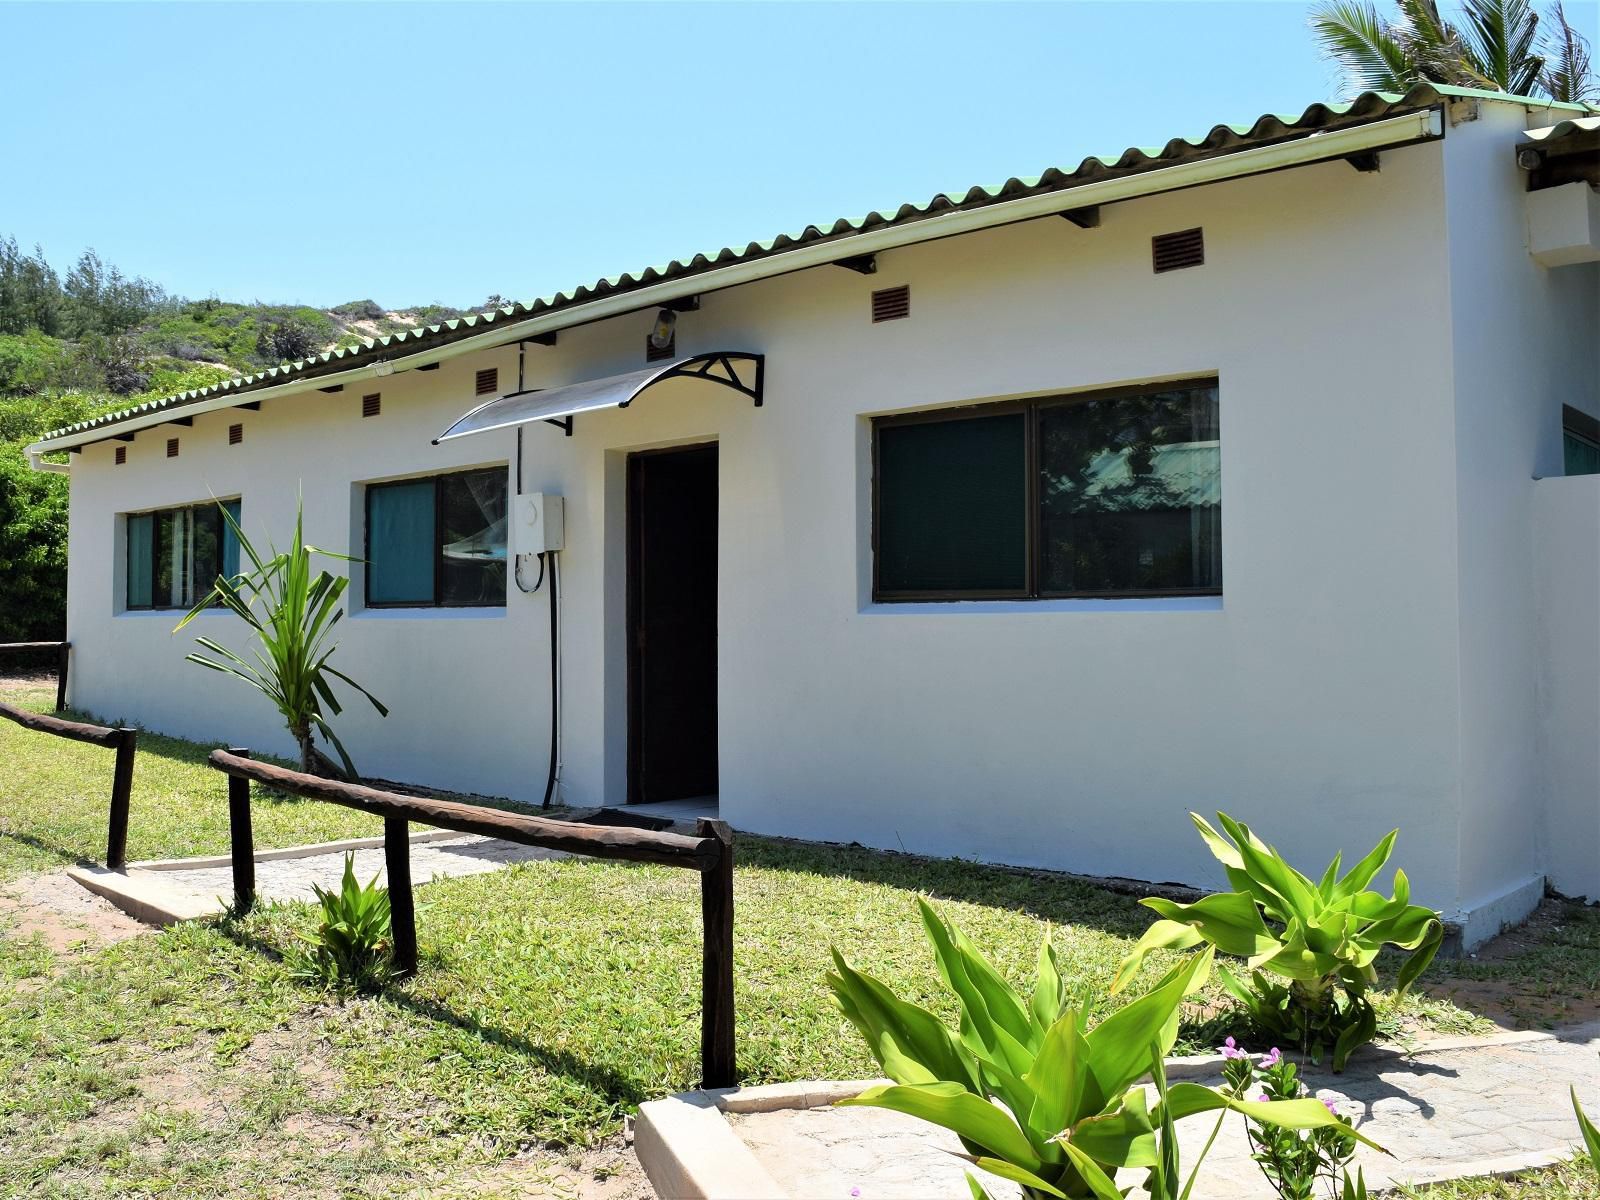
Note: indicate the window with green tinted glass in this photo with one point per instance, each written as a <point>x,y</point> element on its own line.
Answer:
<point>174,555</point>
<point>1101,495</point>
<point>1580,442</point>
<point>437,542</point>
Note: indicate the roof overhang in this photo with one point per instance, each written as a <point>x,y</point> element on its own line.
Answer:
<point>732,369</point>
<point>1292,149</point>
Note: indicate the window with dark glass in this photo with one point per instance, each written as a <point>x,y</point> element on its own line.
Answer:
<point>174,555</point>
<point>1580,442</point>
<point>1101,495</point>
<point>438,542</point>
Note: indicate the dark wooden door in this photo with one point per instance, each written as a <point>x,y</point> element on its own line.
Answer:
<point>672,617</point>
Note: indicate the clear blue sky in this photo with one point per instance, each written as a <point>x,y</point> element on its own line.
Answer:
<point>417,152</point>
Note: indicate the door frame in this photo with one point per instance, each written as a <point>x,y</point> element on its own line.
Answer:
<point>631,553</point>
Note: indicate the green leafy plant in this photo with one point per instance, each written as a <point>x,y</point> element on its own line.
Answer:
<point>1321,938</point>
<point>1036,1095</point>
<point>1591,1135</point>
<point>352,946</point>
<point>1293,1160</point>
<point>293,613</point>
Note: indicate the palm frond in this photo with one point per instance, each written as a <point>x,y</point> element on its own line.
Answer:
<point>1364,45</point>
<point>1568,68</point>
<point>1502,43</point>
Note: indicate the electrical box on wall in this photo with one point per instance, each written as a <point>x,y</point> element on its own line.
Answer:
<point>538,523</point>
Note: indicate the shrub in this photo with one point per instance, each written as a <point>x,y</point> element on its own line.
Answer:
<point>1323,938</point>
<point>353,946</point>
<point>358,310</point>
<point>286,341</point>
<point>1292,1160</point>
<point>292,613</point>
<point>1034,1094</point>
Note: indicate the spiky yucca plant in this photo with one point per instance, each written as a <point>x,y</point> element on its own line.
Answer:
<point>292,612</point>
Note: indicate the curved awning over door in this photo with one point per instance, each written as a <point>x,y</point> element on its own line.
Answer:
<point>732,369</point>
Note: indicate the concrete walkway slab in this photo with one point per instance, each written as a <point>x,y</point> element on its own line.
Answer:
<point>1448,1109</point>
<point>167,891</point>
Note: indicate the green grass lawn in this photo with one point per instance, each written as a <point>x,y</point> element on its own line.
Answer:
<point>1570,1182</point>
<point>553,997</point>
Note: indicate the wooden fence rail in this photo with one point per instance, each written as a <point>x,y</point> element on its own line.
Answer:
<point>123,741</point>
<point>709,851</point>
<point>63,653</point>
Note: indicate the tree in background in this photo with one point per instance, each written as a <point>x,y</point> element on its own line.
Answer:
<point>30,293</point>
<point>100,299</point>
<point>1498,46</point>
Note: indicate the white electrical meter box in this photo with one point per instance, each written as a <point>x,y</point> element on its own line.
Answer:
<point>538,524</point>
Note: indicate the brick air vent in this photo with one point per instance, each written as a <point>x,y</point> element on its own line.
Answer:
<point>891,304</point>
<point>1174,251</point>
<point>172,447</point>
<point>488,381</point>
<point>122,455</point>
<point>372,405</point>
<point>670,350</point>
<point>235,434</point>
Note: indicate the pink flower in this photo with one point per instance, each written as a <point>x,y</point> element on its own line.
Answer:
<point>1271,1059</point>
<point>1264,1098</point>
<point>1330,1106</point>
<point>1230,1049</point>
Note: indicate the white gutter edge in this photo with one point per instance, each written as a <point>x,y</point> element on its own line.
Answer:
<point>1320,146</point>
<point>38,463</point>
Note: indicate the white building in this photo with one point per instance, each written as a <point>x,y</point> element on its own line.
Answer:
<point>1021,625</point>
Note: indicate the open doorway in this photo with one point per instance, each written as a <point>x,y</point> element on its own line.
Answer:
<point>672,624</point>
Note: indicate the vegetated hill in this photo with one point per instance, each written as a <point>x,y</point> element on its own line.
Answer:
<point>77,344</point>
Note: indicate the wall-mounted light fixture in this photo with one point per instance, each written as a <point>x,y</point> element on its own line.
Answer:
<point>661,334</point>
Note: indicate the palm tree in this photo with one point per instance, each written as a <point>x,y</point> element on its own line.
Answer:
<point>1498,46</point>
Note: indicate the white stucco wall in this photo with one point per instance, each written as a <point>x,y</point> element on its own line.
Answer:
<point>1522,340</point>
<point>1567,546</point>
<point>1321,697</point>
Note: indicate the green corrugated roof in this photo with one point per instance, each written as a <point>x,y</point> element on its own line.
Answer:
<point>1221,140</point>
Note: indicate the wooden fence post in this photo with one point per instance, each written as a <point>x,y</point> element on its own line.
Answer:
<point>242,840</point>
<point>402,909</point>
<point>63,658</point>
<point>121,799</point>
<point>717,1062</point>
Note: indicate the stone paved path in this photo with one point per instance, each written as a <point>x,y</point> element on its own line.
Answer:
<point>1485,1104</point>
<point>292,878</point>
<point>1450,1108</point>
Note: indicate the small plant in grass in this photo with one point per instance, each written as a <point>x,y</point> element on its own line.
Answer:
<point>1591,1135</point>
<point>1035,1095</point>
<point>1310,947</point>
<point>1294,1161</point>
<point>352,947</point>
<point>293,613</point>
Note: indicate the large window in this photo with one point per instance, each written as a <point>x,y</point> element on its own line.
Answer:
<point>1101,495</point>
<point>438,542</point>
<point>174,555</point>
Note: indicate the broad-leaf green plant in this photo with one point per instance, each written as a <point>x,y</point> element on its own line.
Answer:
<point>293,612</point>
<point>353,946</point>
<point>1036,1096</point>
<point>1310,946</point>
<point>1591,1135</point>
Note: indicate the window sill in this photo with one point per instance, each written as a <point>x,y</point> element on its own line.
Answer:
<point>1133,604</point>
<point>420,613</point>
<point>172,614</point>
